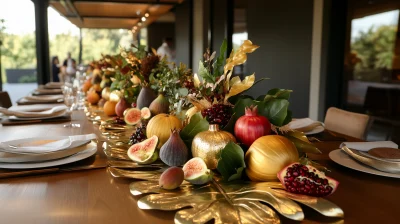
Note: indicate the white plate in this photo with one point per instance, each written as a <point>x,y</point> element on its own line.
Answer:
<point>6,157</point>
<point>316,130</point>
<point>90,150</point>
<point>57,115</point>
<point>343,159</point>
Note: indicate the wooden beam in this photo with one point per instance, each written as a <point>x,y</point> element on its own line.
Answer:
<point>72,6</point>
<point>107,17</point>
<point>123,2</point>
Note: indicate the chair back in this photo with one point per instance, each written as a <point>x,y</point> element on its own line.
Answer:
<point>348,123</point>
<point>5,100</point>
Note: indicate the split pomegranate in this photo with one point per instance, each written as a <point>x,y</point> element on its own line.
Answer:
<point>305,179</point>
<point>251,126</point>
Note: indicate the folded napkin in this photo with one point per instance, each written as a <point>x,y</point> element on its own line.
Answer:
<point>34,107</point>
<point>304,124</point>
<point>366,146</point>
<point>43,145</point>
<point>47,91</point>
<point>46,98</point>
<point>54,84</point>
<point>57,110</point>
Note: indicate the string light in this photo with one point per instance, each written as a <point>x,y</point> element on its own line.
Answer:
<point>139,24</point>
<point>135,27</point>
<point>146,14</point>
<point>143,18</point>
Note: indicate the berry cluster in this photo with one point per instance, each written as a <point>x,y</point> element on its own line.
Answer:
<point>218,114</point>
<point>139,135</point>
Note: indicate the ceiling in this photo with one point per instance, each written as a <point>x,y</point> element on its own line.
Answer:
<point>113,14</point>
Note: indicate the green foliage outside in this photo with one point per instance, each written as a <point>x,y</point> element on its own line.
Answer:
<point>19,51</point>
<point>375,49</point>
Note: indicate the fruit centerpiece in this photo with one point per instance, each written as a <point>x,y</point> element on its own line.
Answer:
<point>229,145</point>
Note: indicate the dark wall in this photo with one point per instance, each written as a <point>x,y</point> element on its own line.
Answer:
<point>183,32</point>
<point>283,29</point>
<point>157,31</point>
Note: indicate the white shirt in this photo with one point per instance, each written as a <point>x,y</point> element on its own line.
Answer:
<point>164,50</point>
<point>70,69</point>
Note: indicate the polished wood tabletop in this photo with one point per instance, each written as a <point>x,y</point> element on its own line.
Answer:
<point>94,196</point>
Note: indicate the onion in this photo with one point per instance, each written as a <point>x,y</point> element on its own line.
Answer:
<point>251,126</point>
<point>268,155</point>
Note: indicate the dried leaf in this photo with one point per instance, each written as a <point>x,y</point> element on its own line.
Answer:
<point>239,86</point>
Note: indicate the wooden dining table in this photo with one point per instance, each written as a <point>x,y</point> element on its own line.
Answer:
<point>94,196</point>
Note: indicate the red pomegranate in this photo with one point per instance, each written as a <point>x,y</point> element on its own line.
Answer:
<point>305,179</point>
<point>251,126</point>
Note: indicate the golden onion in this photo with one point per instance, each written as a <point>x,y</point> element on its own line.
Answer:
<point>268,155</point>
<point>161,126</point>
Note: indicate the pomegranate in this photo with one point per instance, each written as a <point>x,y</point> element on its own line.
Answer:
<point>251,126</point>
<point>305,179</point>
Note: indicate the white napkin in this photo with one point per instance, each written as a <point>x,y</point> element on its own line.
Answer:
<point>34,107</point>
<point>48,91</point>
<point>27,114</point>
<point>45,98</point>
<point>67,142</point>
<point>366,146</point>
<point>304,124</point>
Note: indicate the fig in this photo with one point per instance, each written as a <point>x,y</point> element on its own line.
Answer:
<point>306,179</point>
<point>159,105</point>
<point>146,96</point>
<point>121,106</point>
<point>144,152</point>
<point>174,151</point>
<point>171,178</point>
<point>196,171</point>
<point>145,113</point>
<point>96,79</point>
<point>132,116</point>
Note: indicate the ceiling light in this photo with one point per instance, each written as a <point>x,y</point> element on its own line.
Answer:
<point>146,14</point>
<point>135,27</point>
<point>143,18</point>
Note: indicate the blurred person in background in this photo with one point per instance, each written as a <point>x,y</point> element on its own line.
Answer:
<point>55,69</point>
<point>166,49</point>
<point>70,67</point>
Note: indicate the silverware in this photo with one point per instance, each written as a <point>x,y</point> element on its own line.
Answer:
<point>382,165</point>
<point>50,170</point>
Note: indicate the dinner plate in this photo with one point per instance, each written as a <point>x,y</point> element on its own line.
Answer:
<point>56,115</point>
<point>343,159</point>
<point>314,131</point>
<point>8,157</point>
<point>90,149</point>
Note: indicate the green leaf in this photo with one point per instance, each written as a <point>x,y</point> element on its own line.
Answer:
<point>278,94</point>
<point>242,104</point>
<point>196,125</point>
<point>218,64</point>
<point>183,91</point>
<point>203,73</point>
<point>231,162</point>
<point>301,142</point>
<point>288,118</point>
<point>276,111</point>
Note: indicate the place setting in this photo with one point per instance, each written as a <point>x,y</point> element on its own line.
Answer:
<point>40,99</point>
<point>314,130</point>
<point>35,114</point>
<point>380,158</point>
<point>19,156</point>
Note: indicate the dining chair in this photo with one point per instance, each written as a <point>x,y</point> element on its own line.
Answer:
<point>349,123</point>
<point>5,100</point>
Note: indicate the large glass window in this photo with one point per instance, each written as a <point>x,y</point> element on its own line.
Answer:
<point>18,48</point>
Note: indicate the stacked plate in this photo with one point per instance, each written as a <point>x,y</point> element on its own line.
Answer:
<point>46,151</point>
<point>41,99</point>
<point>52,112</point>
<point>307,125</point>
